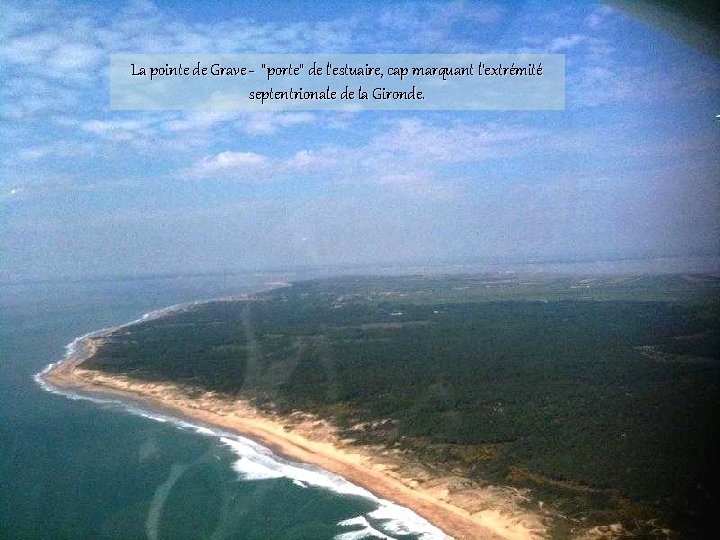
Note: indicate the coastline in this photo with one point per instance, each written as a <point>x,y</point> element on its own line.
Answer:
<point>461,510</point>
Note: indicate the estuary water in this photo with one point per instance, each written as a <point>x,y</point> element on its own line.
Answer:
<point>78,468</point>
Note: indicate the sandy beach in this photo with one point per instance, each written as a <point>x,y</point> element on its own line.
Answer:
<point>456,505</point>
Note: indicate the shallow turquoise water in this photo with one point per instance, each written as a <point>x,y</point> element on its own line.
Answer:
<point>80,469</point>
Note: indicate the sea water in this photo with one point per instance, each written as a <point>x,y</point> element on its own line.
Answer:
<point>91,468</point>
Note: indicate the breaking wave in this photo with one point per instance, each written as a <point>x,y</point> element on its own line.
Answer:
<point>255,462</point>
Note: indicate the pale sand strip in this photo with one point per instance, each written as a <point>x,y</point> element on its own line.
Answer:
<point>469,513</point>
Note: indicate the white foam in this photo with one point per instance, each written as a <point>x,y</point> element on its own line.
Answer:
<point>397,519</point>
<point>257,462</point>
<point>252,470</point>
<point>358,520</point>
<point>367,530</point>
<point>150,416</point>
<point>73,348</point>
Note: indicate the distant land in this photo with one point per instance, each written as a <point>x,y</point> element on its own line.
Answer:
<point>591,265</point>
<point>526,406</point>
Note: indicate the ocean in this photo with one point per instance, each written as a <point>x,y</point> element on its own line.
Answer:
<point>77,468</point>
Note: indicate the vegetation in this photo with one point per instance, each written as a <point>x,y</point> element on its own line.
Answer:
<point>600,394</point>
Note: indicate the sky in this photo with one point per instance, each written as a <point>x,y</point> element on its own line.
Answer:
<point>629,169</point>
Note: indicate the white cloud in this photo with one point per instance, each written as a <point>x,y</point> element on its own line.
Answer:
<point>564,43</point>
<point>115,129</point>
<point>230,163</point>
<point>599,16</point>
<point>194,121</point>
<point>32,96</point>
<point>306,160</point>
<point>47,59</point>
<point>74,58</point>
<point>267,123</point>
<point>412,152</point>
<point>600,72</point>
<point>455,143</point>
<point>67,47</point>
<point>429,27</point>
<point>53,149</point>
<point>36,186</point>
<point>373,163</point>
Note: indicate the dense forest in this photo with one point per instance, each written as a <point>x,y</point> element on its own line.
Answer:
<point>599,394</point>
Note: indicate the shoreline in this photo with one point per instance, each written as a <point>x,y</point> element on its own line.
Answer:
<point>461,510</point>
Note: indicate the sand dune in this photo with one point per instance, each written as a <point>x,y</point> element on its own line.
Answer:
<point>459,507</point>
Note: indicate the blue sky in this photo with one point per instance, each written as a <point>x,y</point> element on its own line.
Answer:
<point>630,168</point>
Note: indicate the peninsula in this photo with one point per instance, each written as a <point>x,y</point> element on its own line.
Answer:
<point>495,407</point>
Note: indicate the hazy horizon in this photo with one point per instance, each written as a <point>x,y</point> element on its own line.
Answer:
<point>585,267</point>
